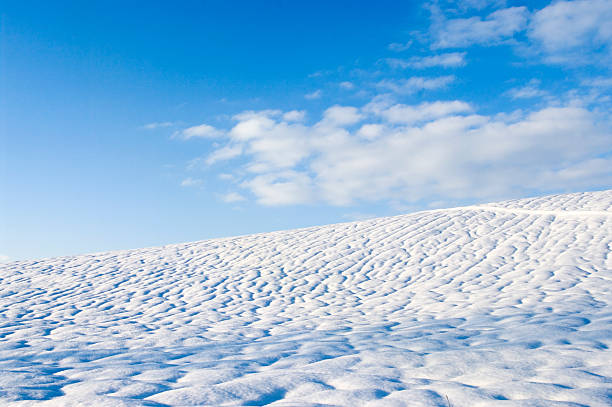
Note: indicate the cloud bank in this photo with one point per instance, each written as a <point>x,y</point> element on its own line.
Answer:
<point>396,152</point>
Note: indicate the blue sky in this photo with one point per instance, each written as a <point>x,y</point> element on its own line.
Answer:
<point>140,124</point>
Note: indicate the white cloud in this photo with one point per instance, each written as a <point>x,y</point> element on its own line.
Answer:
<point>574,32</point>
<point>282,188</point>
<point>233,197</point>
<point>371,131</point>
<point>319,74</point>
<point>201,131</point>
<point>399,46</point>
<point>224,153</point>
<point>496,27</point>
<point>4,258</point>
<point>415,84</point>
<point>346,85</point>
<point>191,182</point>
<point>340,116</point>
<point>448,60</point>
<point>597,170</point>
<point>314,95</point>
<point>252,124</point>
<point>157,125</point>
<point>480,4</point>
<point>598,82</point>
<point>273,143</point>
<point>564,32</point>
<point>399,113</point>
<point>531,90</point>
<point>294,116</point>
<point>405,153</point>
<point>458,156</point>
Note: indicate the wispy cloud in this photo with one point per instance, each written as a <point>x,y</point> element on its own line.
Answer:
<point>409,114</point>
<point>314,95</point>
<point>530,90</point>
<point>224,153</point>
<point>449,60</point>
<point>415,84</point>
<point>600,82</point>
<point>233,197</point>
<point>191,182</point>
<point>480,4</point>
<point>399,46</point>
<point>158,125</point>
<point>200,131</point>
<point>497,26</point>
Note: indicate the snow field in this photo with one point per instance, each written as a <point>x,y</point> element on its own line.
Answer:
<point>503,304</point>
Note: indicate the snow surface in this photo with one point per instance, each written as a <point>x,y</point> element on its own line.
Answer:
<point>503,304</point>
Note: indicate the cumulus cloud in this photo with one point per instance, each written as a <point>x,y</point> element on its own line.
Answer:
<point>405,153</point>
<point>371,131</point>
<point>494,28</point>
<point>294,116</point>
<point>415,84</point>
<point>448,60</point>
<point>574,31</point>
<point>200,131</point>
<point>281,188</point>
<point>340,116</point>
<point>273,142</point>
<point>457,156</point>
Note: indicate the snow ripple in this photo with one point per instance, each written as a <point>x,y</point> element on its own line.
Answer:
<point>506,304</point>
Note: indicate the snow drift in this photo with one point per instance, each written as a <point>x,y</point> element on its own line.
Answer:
<point>503,304</point>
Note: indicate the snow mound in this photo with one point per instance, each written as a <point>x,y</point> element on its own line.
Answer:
<point>503,304</point>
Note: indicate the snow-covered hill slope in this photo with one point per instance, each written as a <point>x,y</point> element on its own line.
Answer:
<point>503,304</point>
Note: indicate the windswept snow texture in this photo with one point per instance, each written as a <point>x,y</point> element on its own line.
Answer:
<point>503,304</point>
